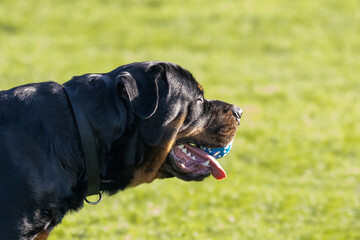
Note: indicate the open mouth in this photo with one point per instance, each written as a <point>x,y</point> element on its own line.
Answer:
<point>193,163</point>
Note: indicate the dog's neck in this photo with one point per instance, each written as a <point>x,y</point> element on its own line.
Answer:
<point>87,144</point>
<point>111,145</point>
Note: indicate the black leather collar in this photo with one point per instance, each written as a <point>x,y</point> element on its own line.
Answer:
<point>87,144</point>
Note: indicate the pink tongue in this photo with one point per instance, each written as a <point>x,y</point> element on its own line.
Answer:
<point>216,170</point>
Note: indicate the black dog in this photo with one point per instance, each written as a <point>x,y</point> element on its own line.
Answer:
<point>102,133</point>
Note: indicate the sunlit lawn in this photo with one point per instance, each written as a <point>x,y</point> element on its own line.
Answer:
<point>293,66</point>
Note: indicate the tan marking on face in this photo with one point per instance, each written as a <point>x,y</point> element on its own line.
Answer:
<point>149,171</point>
<point>200,87</point>
<point>228,130</point>
<point>43,235</point>
<point>190,132</point>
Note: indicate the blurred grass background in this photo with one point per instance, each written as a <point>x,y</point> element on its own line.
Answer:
<point>293,66</point>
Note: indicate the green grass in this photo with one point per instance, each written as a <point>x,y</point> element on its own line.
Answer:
<point>293,66</point>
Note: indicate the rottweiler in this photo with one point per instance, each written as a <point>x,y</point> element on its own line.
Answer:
<point>102,133</point>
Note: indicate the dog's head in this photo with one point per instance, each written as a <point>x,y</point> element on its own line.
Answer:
<point>171,119</point>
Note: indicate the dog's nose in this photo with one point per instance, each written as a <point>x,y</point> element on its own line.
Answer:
<point>237,111</point>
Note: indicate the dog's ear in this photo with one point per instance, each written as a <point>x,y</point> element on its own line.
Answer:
<point>142,89</point>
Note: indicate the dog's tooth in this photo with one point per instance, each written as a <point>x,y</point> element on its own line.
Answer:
<point>181,146</point>
<point>206,164</point>
<point>194,158</point>
<point>189,154</point>
<point>184,150</point>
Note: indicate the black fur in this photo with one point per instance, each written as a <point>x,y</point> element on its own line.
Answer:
<point>130,109</point>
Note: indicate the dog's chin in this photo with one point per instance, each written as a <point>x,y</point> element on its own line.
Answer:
<point>172,170</point>
<point>191,163</point>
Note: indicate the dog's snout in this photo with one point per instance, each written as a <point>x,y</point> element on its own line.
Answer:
<point>237,111</point>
